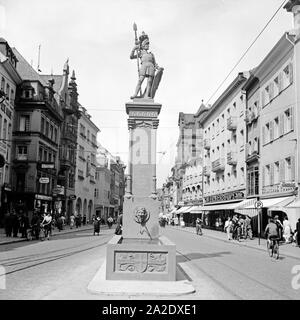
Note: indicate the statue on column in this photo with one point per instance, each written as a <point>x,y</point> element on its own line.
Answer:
<point>147,67</point>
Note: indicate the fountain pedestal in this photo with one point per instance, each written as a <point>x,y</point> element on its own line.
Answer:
<point>141,253</point>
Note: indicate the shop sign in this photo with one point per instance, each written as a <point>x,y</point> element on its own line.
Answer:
<point>59,190</point>
<point>42,197</point>
<point>228,196</point>
<point>47,165</point>
<point>44,180</point>
<point>279,188</point>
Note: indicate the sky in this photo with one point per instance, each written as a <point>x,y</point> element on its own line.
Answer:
<point>197,42</point>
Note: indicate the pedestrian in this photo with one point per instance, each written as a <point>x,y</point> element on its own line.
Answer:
<point>198,226</point>
<point>110,221</point>
<point>47,224</point>
<point>228,228</point>
<point>248,228</point>
<point>84,220</point>
<point>118,230</point>
<point>15,225</point>
<point>287,230</point>
<point>60,223</point>
<point>8,224</point>
<point>97,223</point>
<point>298,233</point>
<point>72,221</point>
<point>35,225</point>
<point>279,225</point>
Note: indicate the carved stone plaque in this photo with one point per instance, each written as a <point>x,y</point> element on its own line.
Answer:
<point>143,114</point>
<point>140,262</point>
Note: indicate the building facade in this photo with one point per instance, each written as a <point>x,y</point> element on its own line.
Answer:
<point>36,136</point>
<point>9,78</point>
<point>85,182</point>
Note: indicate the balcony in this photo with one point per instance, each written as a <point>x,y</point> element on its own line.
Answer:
<point>252,152</point>
<point>206,144</point>
<point>231,123</point>
<point>232,158</point>
<point>22,157</point>
<point>206,171</point>
<point>218,165</point>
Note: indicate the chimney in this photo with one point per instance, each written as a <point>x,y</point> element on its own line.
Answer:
<point>294,6</point>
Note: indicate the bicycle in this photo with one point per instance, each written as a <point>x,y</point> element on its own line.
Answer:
<point>31,233</point>
<point>273,247</point>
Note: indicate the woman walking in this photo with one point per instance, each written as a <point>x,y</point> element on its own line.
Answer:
<point>228,228</point>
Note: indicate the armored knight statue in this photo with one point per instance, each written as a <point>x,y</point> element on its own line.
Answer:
<point>148,68</point>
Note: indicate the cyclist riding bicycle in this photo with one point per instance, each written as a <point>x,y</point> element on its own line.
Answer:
<point>272,231</point>
<point>46,224</point>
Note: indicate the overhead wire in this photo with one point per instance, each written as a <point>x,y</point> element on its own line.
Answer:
<point>247,50</point>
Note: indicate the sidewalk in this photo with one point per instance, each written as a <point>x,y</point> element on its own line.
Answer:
<point>288,250</point>
<point>55,232</point>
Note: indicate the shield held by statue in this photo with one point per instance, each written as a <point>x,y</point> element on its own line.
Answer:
<point>156,82</point>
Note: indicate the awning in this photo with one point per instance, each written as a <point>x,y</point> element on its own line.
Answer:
<point>182,210</point>
<point>173,211</point>
<point>224,206</point>
<point>272,204</point>
<point>295,204</point>
<point>196,210</point>
<point>281,206</point>
<point>267,203</point>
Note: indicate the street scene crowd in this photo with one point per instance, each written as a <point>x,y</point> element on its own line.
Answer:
<point>42,225</point>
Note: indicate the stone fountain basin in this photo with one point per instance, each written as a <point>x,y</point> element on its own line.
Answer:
<point>141,259</point>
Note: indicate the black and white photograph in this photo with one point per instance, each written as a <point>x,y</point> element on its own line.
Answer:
<point>149,153</point>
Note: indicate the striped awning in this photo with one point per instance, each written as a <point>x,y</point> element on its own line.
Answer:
<point>183,209</point>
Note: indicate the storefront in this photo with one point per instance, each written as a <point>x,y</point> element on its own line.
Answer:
<point>214,216</point>
<point>269,208</point>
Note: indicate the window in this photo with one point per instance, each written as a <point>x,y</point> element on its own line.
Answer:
<point>47,129</point>
<point>267,175</point>
<point>7,91</point>
<point>88,135</point>
<point>45,155</point>
<point>40,154</point>
<point>276,86</point>
<point>24,123</point>
<point>288,120</point>
<point>55,134</point>
<point>266,133</point>
<point>287,76</point>
<point>276,172</point>
<point>12,96</point>
<point>81,152</point>
<point>242,177</point>
<point>21,152</point>
<point>4,136</point>
<point>276,128</point>
<point>9,131</point>
<point>288,169</point>
<point>42,125</point>
<point>51,131</point>
<point>252,181</point>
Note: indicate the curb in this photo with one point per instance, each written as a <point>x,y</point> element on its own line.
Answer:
<point>55,234</point>
<point>243,244</point>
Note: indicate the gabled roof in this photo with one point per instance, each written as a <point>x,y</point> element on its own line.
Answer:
<point>25,70</point>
